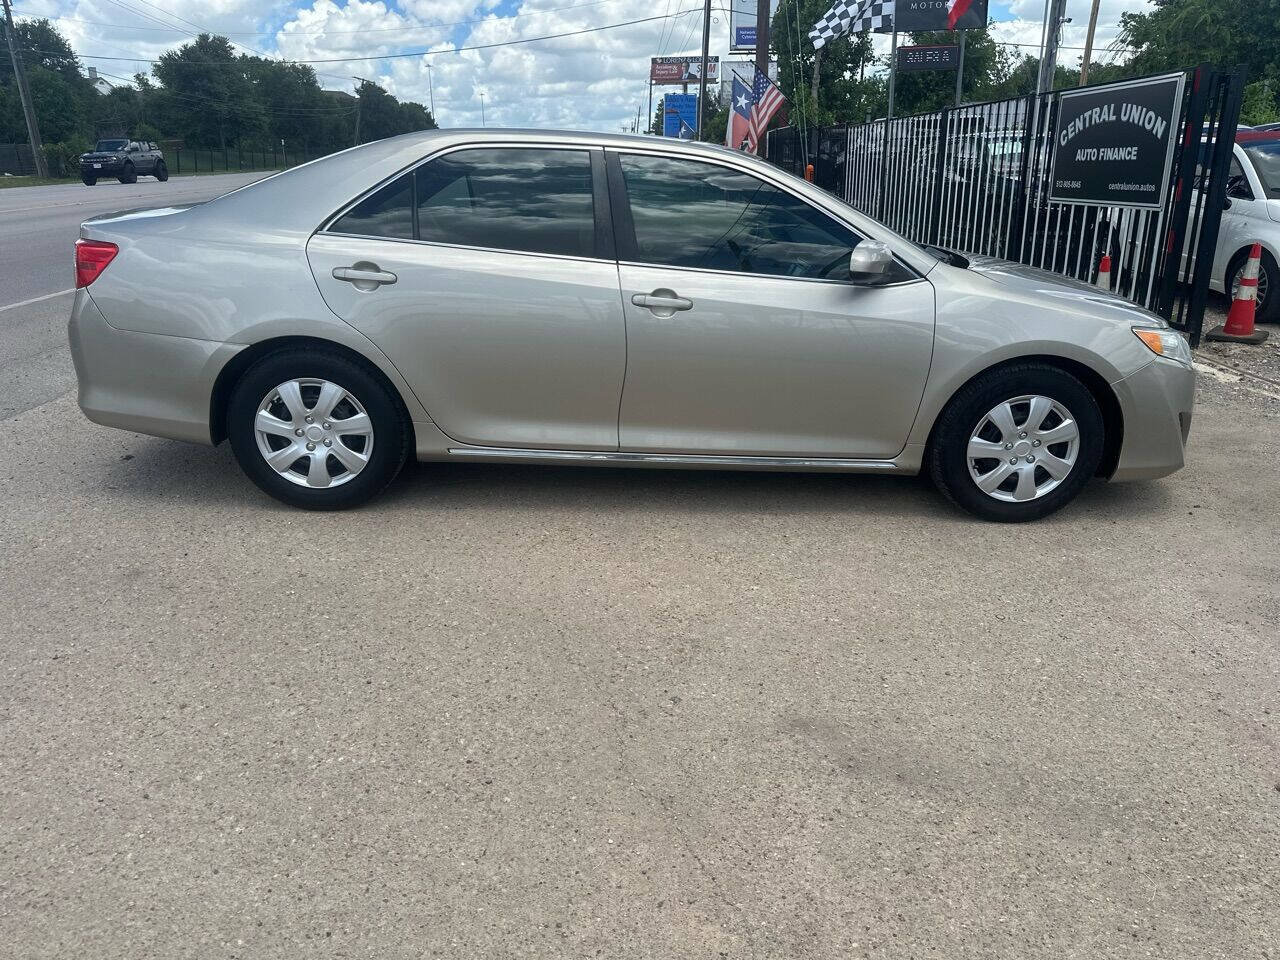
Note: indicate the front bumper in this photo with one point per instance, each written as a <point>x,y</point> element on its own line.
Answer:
<point>1156,403</point>
<point>106,166</point>
<point>145,382</point>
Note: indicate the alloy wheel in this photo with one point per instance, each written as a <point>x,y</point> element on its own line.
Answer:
<point>1023,448</point>
<point>313,433</point>
<point>1263,284</point>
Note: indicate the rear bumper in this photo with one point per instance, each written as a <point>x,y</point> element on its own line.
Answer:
<point>144,382</point>
<point>1156,403</point>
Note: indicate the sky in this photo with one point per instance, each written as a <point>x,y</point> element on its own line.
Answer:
<point>594,81</point>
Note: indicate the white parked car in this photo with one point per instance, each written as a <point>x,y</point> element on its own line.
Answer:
<point>1253,216</point>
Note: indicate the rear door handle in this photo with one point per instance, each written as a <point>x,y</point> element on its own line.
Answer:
<point>654,301</point>
<point>359,275</point>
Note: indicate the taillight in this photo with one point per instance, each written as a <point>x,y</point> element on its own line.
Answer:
<point>92,257</point>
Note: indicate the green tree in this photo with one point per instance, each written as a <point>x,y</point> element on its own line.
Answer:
<point>208,97</point>
<point>987,67</point>
<point>848,91</point>
<point>1177,34</point>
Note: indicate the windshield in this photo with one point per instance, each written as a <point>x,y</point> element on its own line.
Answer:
<point>1266,160</point>
<point>110,146</point>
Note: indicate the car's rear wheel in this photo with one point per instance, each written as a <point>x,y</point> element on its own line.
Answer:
<point>1017,443</point>
<point>128,174</point>
<point>1268,304</point>
<point>317,430</point>
<point>162,172</point>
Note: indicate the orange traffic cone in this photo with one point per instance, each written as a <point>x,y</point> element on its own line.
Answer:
<point>1104,273</point>
<point>1239,327</point>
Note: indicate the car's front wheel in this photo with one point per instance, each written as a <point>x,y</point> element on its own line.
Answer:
<point>128,174</point>
<point>89,181</point>
<point>162,172</point>
<point>1017,443</point>
<point>317,430</point>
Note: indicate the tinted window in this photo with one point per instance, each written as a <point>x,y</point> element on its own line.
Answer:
<point>1266,161</point>
<point>692,214</point>
<point>530,200</point>
<point>386,213</point>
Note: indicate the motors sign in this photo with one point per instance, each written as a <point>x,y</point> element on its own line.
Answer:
<point>1113,145</point>
<point>931,15</point>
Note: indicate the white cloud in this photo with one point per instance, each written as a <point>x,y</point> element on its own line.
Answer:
<point>592,80</point>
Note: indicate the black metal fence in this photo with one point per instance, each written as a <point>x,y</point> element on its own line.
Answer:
<point>976,178</point>
<point>15,159</point>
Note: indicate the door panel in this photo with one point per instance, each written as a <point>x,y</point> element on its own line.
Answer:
<point>502,349</point>
<point>772,366</point>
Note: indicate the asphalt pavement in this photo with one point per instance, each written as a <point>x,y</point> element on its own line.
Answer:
<point>566,713</point>
<point>38,227</point>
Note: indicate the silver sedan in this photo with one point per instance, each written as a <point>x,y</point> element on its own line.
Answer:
<point>581,298</point>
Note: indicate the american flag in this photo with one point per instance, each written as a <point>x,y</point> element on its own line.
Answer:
<point>767,100</point>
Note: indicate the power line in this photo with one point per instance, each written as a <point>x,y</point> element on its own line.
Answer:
<point>401,56</point>
<point>336,33</point>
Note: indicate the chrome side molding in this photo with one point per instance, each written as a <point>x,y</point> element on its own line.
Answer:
<point>676,459</point>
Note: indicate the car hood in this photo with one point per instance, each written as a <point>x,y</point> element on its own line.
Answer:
<point>1044,286</point>
<point>101,156</point>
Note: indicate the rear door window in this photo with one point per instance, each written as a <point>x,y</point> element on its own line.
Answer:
<point>530,200</point>
<point>387,212</point>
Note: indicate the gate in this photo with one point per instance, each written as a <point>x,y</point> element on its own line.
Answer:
<point>977,179</point>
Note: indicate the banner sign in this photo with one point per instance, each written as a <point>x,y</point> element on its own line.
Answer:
<point>679,115</point>
<point>742,23</point>
<point>682,69</point>
<point>1114,145</point>
<point>934,57</point>
<point>932,15</point>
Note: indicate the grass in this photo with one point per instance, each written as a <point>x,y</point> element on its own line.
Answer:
<point>8,182</point>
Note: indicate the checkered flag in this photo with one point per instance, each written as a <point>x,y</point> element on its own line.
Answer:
<point>852,16</point>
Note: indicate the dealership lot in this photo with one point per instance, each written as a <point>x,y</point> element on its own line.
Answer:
<point>550,712</point>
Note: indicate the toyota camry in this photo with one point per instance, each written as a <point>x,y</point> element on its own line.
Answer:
<point>543,297</point>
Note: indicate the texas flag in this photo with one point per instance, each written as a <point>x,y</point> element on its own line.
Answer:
<point>955,10</point>
<point>739,127</point>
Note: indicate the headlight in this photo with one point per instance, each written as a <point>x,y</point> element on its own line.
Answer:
<point>1165,343</point>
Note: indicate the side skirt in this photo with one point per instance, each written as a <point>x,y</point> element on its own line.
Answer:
<point>679,460</point>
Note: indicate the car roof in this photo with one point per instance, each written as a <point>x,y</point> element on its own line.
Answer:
<point>1256,136</point>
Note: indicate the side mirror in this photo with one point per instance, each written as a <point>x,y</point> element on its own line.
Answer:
<point>870,262</point>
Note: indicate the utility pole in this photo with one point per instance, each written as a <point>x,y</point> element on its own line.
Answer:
<point>1088,44</point>
<point>482,123</point>
<point>24,94</point>
<point>356,142</point>
<point>762,36</point>
<point>431,90</point>
<point>960,67</point>
<point>1054,18</point>
<point>702,74</point>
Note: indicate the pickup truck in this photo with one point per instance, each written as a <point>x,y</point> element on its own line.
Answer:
<point>123,159</point>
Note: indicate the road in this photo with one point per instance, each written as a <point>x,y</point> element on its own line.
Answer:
<point>518,711</point>
<point>38,226</point>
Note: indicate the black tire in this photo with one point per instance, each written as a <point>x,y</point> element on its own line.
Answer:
<point>128,174</point>
<point>948,461</point>
<point>89,181</point>
<point>1268,309</point>
<point>162,172</point>
<point>392,432</point>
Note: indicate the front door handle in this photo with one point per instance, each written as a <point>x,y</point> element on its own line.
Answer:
<point>364,275</point>
<point>661,300</point>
